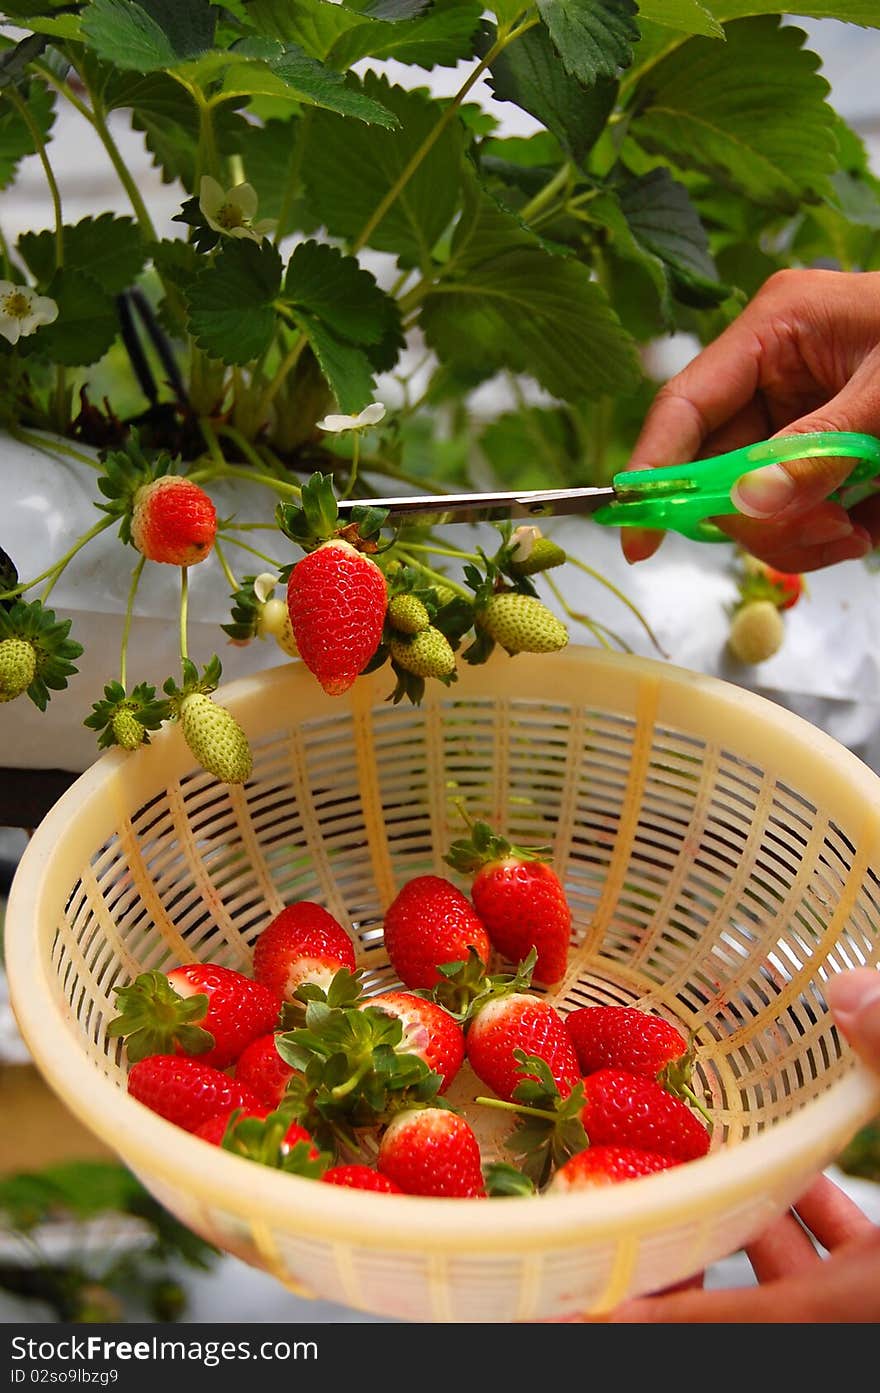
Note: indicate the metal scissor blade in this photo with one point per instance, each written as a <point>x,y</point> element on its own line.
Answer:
<point>446,508</point>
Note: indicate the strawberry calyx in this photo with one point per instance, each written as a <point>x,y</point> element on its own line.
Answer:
<point>465,988</point>
<point>345,988</point>
<point>315,520</point>
<point>263,1139</point>
<point>549,1130</point>
<point>501,1178</point>
<point>126,719</point>
<point>191,682</point>
<point>156,1019</point>
<point>53,652</point>
<point>470,854</point>
<point>676,1078</point>
<point>126,472</point>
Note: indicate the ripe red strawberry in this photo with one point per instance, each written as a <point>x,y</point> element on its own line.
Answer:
<point>173,520</point>
<point>519,898</point>
<point>337,598</point>
<point>201,1008</point>
<point>625,1037</point>
<point>214,1130</point>
<point>428,1031</point>
<point>428,1151</point>
<point>185,1091</point>
<point>361,1178</point>
<point>520,1022</point>
<point>303,943</point>
<point>607,1165</point>
<point>789,584</point>
<point>430,922</point>
<point>625,1109</point>
<point>261,1069</point>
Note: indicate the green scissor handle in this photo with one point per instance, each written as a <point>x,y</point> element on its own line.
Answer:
<point>681,498</point>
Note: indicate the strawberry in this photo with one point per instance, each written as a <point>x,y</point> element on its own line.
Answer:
<point>215,738</point>
<point>337,599</point>
<point>214,1130</point>
<point>18,667</point>
<point>532,552</point>
<point>626,1037</point>
<point>607,1165</point>
<point>217,1127</point>
<point>519,1022</point>
<point>789,584</point>
<point>763,582</point>
<point>202,1009</point>
<point>518,897</point>
<point>429,923</point>
<point>408,614</point>
<point>428,1151</point>
<point>756,632</point>
<point>126,728</point>
<point>273,621</point>
<point>361,1178</point>
<point>427,653</point>
<point>261,1068</point>
<point>630,1110</point>
<point>173,520</point>
<point>521,624</point>
<point>428,1031</point>
<point>303,943</point>
<point>185,1091</point>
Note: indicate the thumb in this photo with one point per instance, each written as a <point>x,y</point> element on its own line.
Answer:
<point>854,998</point>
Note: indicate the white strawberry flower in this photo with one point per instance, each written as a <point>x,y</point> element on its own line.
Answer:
<point>22,311</point>
<point>231,211</point>
<point>264,585</point>
<point>370,416</point>
<point>523,541</point>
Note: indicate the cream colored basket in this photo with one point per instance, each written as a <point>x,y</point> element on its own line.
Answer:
<point>721,858</point>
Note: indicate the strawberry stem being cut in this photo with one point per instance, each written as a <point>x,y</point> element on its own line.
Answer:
<point>155,1019</point>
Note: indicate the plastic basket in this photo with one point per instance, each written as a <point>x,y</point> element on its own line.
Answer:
<point>721,857</point>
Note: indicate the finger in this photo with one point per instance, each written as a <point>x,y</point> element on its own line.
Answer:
<point>639,543</point>
<point>781,1250</point>
<point>854,998</point>
<point>830,1215</point>
<point>867,515</point>
<point>782,546</point>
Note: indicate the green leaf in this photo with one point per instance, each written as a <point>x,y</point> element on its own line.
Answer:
<point>664,222</point>
<point>593,38</point>
<point>16,140</point>
<point>349,169</point>
<point>441,33</point>
<point>13,63</point>
<point>346,368</point>
<point>268,152</point>
<point>295,75</point>
<point>848,11</point>
<point>530,74</point>
<point>108,248</point>
<point>86,325</point>
<point>536,447</point>
<point>534,313</point>
<point>231,302</point>
<point>688,15</point>
<point>338,291</point>
<point>147,35</point>
<point>169,119</point>
<point>751,113</point>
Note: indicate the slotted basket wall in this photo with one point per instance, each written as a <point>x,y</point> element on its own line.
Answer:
<point>721,857</point>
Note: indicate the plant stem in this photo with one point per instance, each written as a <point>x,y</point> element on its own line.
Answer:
<point>289,361</point>
<point>225,566</point>
<point>184,606</point>
<point>245,547</point>
<point>139,207</point>
<point>60,564</point>
<point>129,610</point>
<point>519,1108</point>
<point>212,443</point>
<point>243,444</point>
<point>443,551</point>
<point>436,576</point>
<point>236,471</point>
<point>598,630</point>
<point>353,472</point>
<point>57,447</point>
<point>624,599</point>
<point>505,37</point>
<point>545,196</point>
<point>40,147</point>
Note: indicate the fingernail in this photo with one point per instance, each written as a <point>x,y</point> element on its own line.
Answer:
<point>764,492</point>
<point>850,994</point>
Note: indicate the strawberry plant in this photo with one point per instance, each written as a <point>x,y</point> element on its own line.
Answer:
<point>353,259</point>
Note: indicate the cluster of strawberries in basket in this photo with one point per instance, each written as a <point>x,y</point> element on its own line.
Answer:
<point>295,1067</point>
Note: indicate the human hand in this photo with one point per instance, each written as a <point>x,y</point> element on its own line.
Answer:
<point>797,1285</point>
<point>803,356</point>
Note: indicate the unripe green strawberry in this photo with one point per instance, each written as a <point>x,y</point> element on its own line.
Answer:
<point>443,594</point>
<point>215,738</point>
<point>542,555</point>
<point>756,632</point>
<point>522,624</point>
<point>407,614</point>
<point>274,622</point>
<point>18,667</point>
<point>426,654</point>
<point>127,729</point>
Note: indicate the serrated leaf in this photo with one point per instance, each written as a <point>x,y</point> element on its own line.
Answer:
<point>297,76</point>
<point>170,121</point>
<point>664,222</point>
<point>688,15</point>
<point>109,248</point>
<point>848,11</point>
<point>442,36</point>
<point>346,368</point>
<point>13,63</point>
<point>751,112</point>
<point>530,74</point>
<point>348,169</point>
<point>338,291</point>
<point>230,302</point>
<point>594,38</point>
<point>16,140</point>
<point>538,314</point>
<point>86,325</point>
<point>148,35</point>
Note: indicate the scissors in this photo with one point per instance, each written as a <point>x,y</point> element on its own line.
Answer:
<point>679,498</point>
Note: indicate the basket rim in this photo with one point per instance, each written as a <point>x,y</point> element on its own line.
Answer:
<point>156,1150</point>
